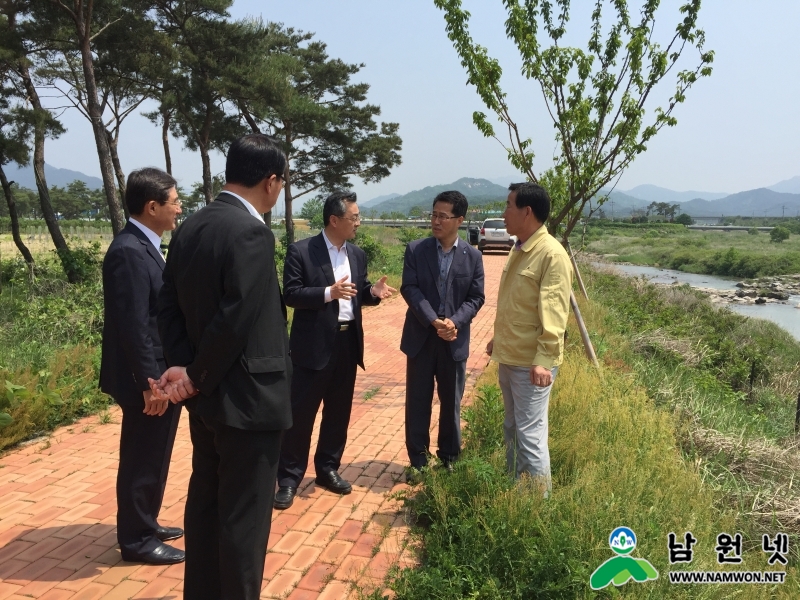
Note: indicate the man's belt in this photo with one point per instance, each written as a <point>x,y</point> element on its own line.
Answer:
<point>345,325</point>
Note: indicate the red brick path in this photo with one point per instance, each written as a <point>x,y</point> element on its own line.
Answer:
<point>58,504</point>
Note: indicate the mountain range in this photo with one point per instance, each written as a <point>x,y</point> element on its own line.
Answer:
<point>477,191</point>
<point>24,177</point>
<point>781,199</point>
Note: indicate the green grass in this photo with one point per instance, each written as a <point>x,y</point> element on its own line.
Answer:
<point>49,346</point>
<point>733,253</point>
<point>667,440</point>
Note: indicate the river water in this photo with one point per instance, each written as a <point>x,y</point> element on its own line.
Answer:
<point>784,315</point>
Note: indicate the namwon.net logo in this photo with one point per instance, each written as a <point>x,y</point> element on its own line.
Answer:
<point>620,569</point>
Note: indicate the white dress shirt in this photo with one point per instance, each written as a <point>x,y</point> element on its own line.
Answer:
<point>250,208</point>
<point>152,236</point>
<point>341,268</point>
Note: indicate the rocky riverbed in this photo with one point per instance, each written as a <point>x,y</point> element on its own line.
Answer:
<point>765,290</point>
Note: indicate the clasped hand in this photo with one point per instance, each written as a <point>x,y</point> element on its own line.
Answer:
<point>446,329</point>
<point>173,385</point>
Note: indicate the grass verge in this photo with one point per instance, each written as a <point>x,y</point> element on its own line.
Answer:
<point>619,457</point>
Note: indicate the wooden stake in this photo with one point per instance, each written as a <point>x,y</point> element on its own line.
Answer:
<point>587,343</point>
<point>797,415</point>
<point>577,271</point>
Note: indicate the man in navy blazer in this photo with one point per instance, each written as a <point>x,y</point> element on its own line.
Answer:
<point>443,287</point>
<point>132,353</point>
<point>325,281</point>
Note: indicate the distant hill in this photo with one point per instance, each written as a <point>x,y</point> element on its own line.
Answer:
<point>653,193</point>
<point>787,186</point>
<point>378,200</point>
<point>760,202</point>
<point>55,176</point>
<point>477,191</point>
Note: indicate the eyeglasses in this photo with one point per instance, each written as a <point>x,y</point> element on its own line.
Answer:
<point>354,219</point>
<point>282,179</point>
<point>175,203</point>
<point>441,217</point>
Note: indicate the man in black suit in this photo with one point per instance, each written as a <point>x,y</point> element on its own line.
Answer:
<point>223,324</point>
<point>131,354</point>
<point>443,287</point>
<point>325,281</point>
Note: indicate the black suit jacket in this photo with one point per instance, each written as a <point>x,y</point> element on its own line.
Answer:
<point>221,315</point>
<point>306,274</point>
<point>420,289</point>
<point>131,350</point>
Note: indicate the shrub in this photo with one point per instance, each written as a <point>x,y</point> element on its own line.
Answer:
<point>779,234</point>
<point>684,219</point>
<point>371,247</point>
<point>409,234</point>
<point>752,231</point>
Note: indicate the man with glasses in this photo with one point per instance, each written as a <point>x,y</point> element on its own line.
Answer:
<point>443,287</point>
<point>132,353</point>
<point>325,281</point>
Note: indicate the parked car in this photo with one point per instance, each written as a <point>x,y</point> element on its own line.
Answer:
<point>473,234</point>
<point>493,236</point>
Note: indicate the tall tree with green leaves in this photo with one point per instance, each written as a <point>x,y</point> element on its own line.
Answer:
<point>327,129</point>
<point>14,134</point>
<point>121,56</point>
<point>208,48</point>
<point>19,44</point>
<point>83,22</point>
<point>599,98</point>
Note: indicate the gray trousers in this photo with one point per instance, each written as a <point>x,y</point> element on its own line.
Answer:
<point>525,426</point>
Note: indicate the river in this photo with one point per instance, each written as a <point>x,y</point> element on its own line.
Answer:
<point>784,315</point>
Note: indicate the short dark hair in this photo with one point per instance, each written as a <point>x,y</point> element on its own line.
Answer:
<point>533,195</point>
<point>456,199</point>
<point>335,204</point>
<point>253,158</point>
<point>147,184</point>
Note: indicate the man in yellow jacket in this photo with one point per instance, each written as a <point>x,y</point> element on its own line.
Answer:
<point>528,343</point>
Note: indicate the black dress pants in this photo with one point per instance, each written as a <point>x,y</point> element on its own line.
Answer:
<point>145,449</point>
<point>333,387</point>
<point>228,509</point>
<point>433,362</point>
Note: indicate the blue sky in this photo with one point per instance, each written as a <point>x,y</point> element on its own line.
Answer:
<point>738,130</point>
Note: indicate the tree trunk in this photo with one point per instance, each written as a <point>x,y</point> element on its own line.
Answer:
<point>112,146</point>
<point>208,184</point>
<point>96,117</point>
<point>166,116</point>
<point>48,214</point>
<point>287,197</point>
<point>12,210</point>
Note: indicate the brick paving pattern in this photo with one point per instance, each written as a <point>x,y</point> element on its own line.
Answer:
<point>58,500</point>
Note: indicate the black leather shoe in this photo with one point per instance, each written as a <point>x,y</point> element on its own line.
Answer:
<point>169,533</point>
<point>333,482</point>
<point>162,555</point>
<point>284,496</point>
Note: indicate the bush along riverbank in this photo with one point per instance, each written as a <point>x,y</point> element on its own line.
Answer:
<point>641,444</point>
<point>729,254</point>
<point>50,333</point>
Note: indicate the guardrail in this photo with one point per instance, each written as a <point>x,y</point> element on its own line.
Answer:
<point>726,228</point>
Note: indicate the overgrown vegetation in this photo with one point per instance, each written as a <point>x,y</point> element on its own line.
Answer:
<point>668,440</point>
<point>50,332</point>
<point>731,253</point>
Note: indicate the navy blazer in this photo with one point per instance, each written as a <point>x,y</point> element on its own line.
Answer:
<point>306,273</point>
<point>132,278</point>
<point>420,289</point>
